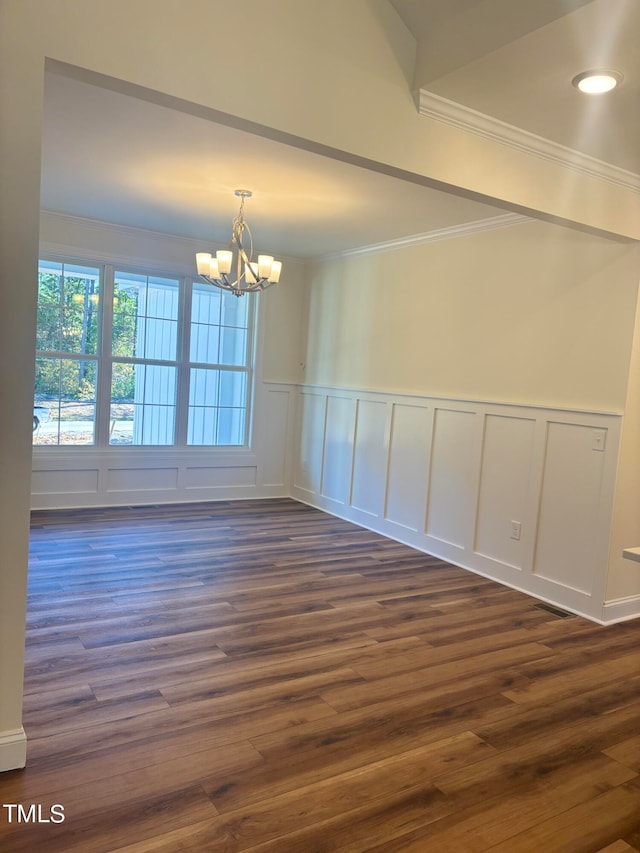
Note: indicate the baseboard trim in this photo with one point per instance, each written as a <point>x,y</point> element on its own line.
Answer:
<point>621,609</point>
<point>13,749</point>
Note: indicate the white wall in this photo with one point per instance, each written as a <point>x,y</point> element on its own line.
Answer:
<point>530,313</point>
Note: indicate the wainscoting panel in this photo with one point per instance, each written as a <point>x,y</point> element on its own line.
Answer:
<point>521,494</point>
<point>73,481</point>
<point>274,461</point>
<point>141,479</point>
<point>568,548</point>
<point>219,477</point>
<point>408,472</point>
<point>312,415</point>
<point>505,485</point>
<point>370,457</point>
<point>449,505</point>
<point>116,476</point>
<point>338,449</point>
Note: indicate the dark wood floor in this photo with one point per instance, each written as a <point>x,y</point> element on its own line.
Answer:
<point>262,677</point>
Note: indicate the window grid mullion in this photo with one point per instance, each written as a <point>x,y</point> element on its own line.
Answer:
<point>184,342</point>
<point>252,321</point>
<point>103,391</point>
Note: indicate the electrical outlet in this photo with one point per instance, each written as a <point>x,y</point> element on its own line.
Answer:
<point>516,528</point>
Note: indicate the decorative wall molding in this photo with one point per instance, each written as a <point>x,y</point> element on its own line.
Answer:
<point>472,401</point>
<point>450,478</point>
<point>72,477</point>
<point>13,749</point>
<point>450,112</point>
<point>490,224</point>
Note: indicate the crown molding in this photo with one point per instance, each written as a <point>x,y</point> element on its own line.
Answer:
<point>489,224</point>
<point>101,226</point>
<point>81,222</point>
<point>66,251</point>
<point>450,112</point>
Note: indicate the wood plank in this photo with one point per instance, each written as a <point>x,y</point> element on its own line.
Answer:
<point>327,747</point>
<point>588,825</point>
<point>432,673</point>
<point>555,819</point>
<point>627,752</point>
<point>354,797</point>
<point>165,732</point>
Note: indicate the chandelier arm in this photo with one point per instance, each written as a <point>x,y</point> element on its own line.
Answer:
<point>232,288</point>
<point>261,281</point>
<point>218,282</point>
<point>237,229</point>
<point>237,238</point>
<point>246,258</point>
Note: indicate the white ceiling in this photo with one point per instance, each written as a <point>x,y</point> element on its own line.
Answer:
<point>110,156</point>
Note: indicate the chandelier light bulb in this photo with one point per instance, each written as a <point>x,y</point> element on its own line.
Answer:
<point>203,260</point>
<point>276,266</point>
<point>214,269</point>
<point>265,262</point>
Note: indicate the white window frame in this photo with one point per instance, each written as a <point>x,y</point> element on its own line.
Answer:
<point>105,361</point>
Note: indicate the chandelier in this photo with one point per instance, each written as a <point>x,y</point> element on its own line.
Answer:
<point>249,275</point>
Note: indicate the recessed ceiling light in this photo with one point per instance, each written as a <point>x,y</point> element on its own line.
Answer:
<point>597,82</point>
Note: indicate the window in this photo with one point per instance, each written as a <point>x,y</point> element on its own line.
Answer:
<point>144,348</point>
<point>217,374</point>
<point>127,358</point>
<point>67,354</point>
